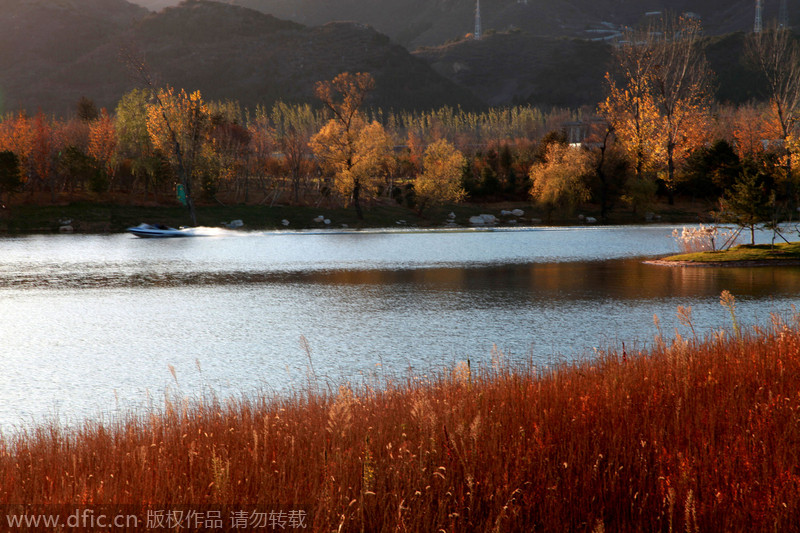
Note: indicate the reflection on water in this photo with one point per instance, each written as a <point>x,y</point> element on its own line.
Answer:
<point>629,279</point>
<point>91,323</point>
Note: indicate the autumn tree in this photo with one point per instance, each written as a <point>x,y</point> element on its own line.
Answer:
<point>339,143</point>
<point>749,127</point>
<point>230,150</point>
<point>658,107</point>
<point>629,107</point>
<point>16,135</point>
<point>356,160</point>
<point>440,180</point>
<point>103,148</point>
<point>42,153</point>
<point>558,182</point>
<point>294,126</point>
<point>777,55</point>
<point>133,140</point>
<point>178,124</point>
<point>609,166</point>
<point>680,83</point>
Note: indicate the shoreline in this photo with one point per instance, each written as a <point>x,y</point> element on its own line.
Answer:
<point>728,264</point>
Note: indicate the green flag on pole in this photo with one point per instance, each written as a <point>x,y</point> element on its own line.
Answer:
<point>181,190</point>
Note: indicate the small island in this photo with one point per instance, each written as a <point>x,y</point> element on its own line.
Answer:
<point>783,254</point>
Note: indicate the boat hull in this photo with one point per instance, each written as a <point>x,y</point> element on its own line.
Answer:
<point>154,231</point>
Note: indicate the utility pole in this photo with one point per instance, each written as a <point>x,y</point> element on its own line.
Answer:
<point>478,30</point>
<point>758,26</point>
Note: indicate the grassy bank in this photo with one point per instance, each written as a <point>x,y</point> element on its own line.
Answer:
<point>694,435</point>
<point>745,253</point>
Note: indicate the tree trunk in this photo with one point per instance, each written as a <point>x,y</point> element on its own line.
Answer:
<point>356,198</point>
<point>670,174</point>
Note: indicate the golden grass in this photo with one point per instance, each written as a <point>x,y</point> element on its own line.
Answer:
<point>693,435</point>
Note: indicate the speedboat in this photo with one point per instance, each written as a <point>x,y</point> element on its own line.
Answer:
<point>159,231</point>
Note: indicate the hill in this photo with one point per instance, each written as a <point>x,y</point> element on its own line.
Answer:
<point>39,37</point>
<point>519,68</point>
<point>225,51</point>
<point>416,23</point>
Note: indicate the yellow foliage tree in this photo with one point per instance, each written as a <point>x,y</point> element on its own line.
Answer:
<point>558,181</point>
<point>659,110</point>
<point>440,180</point>
<point>357,159</point>
<point>352,158</point>
<point>633,116</point>
<point>178,124</point>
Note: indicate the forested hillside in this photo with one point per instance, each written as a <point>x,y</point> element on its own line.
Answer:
<point>225,51</point>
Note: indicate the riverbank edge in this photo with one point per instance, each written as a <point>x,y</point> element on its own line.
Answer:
<point>782,254</point>
<point>88,217</point>
<point>728,264</point>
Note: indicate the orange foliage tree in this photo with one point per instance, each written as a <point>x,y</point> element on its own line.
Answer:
<point>16,135</point>
<point>103,142</point>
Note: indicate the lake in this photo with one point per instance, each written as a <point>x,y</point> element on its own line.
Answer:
<point>92,326</point>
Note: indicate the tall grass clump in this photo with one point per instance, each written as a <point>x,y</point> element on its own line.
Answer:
<point>695,434</point>
<point>703,239</point>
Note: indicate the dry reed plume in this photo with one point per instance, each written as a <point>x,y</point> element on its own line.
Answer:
<point>693,435</point>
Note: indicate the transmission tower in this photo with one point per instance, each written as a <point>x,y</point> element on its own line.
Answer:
<point>783,16</point>
<point>758,26</point>
<point>478,30</point>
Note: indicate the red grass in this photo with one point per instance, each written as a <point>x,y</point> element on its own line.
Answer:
<point>691,436</point>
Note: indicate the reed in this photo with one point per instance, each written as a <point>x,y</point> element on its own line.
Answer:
<point>690,435</point>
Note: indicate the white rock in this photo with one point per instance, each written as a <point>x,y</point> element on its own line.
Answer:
<point>477,221</point>
<point>66,228</point>
<point>489,219</point>
<point>327,222</point>
<point>285,222</point>
<point>453,215</point>
<point>517,212</point>
<point>505,213</point>
<point>319,219</point>
<point>591,220</point>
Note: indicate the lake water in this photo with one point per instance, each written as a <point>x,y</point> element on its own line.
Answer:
<point>92,325</point>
